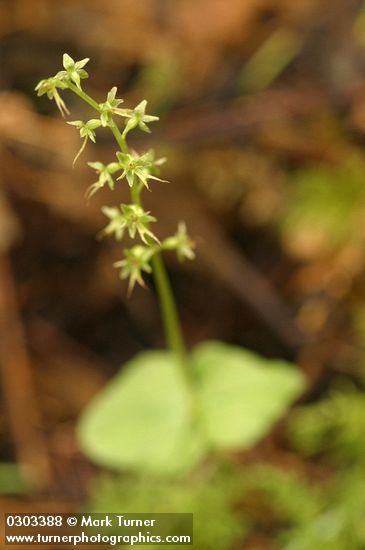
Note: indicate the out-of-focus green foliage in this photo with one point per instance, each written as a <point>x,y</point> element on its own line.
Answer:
<point>11,480</point>
<point>289,496</point>
<point>304,515</point>
<point>161,80</point>
<point>335,425</point>
<point>334,429</point>
<point>340,524</point>
<point>299,515</point>
<point>217,523</point>
<point>325,209</point>
<point>149,419</point>
<point>270,59</point>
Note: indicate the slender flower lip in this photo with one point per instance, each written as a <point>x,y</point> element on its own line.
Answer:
<point>49,86</point>
<point>105,176</point>
<point>87,131</point>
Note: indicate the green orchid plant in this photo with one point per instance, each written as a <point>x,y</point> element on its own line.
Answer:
<point>167,411</point>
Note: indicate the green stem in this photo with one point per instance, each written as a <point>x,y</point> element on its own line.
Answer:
<point>84,96</point>
<point>166,298</point>
<point>118,136</point>
<point>167,302</point>
<point>168,308</point>
<point>136,194</point>
<point>114,128</point>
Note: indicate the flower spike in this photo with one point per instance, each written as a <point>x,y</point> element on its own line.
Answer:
<point>137,169</point>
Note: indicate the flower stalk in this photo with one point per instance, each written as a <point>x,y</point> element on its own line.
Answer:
<point>137,170</point>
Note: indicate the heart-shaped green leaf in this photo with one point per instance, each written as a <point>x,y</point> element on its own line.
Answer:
<point>241,394</point>
<point>148,419</point>
<point>142,420</point>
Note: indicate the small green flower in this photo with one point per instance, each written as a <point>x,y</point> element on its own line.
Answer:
<point>117,224</point>
<point>138,117</point>
<point>111,106</point>
<point>131,217</point>
<point>87,128</point>
<point>137,221</point>
<point>87,131</point>
<point>135,262</point>
<point>105,172</point>
<point>180,242</point>
<point>74,70</point>
<point>155,163</point>
<point>135,166</point>
<point>49,86</point>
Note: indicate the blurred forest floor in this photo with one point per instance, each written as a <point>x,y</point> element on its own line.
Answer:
<point>262,110</point>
